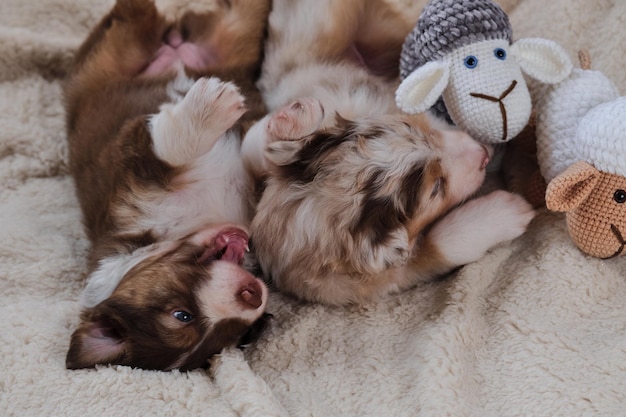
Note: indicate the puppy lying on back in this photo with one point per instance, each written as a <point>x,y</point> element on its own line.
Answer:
<point>359,199</point>
<point>165,197</point>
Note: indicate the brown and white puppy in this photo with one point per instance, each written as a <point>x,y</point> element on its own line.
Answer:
<point>155,154</point>
<point>360,200</point>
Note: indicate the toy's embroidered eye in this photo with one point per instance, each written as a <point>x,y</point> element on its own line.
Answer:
<point>500,53</point>
<point>183,316</point>
<point>620,196</point>
<point>470,61</point>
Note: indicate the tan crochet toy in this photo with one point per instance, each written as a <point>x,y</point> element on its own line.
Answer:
<point>595,202</point>
<point>581,149</point>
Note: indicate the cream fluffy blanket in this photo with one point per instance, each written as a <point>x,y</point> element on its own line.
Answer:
<point>535,328</point>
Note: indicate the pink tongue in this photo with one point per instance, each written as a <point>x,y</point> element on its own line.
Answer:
<point>163,62</point>
<point>176,52</point>
<point>235,249</point>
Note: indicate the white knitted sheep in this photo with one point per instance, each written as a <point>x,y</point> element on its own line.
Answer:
<point>581,151</point>
<point>460,59</point>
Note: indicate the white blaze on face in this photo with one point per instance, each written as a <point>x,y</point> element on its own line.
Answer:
<point>486,93</point>
<point>231,293</point>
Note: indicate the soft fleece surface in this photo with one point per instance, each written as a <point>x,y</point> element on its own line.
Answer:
<point>535,328</point>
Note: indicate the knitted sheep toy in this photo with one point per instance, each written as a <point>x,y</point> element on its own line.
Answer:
<point>460,59</point>
<point>581,151</point>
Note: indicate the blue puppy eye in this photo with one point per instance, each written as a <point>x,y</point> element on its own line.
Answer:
<point>470,61</point>
<point>500,53</point>
<point>183,316</point>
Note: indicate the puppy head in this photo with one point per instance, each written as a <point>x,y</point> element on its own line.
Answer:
<point>354,198</point>
<point>175,306</point>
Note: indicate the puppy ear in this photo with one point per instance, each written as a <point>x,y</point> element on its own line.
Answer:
<point>542,59</point>
<point>421,89</point>
<point>96,341</point>
<point>283,152</point>
<point>572,187</point>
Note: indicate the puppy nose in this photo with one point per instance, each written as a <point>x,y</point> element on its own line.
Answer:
<point>174,38</point>
<point>250,295</point>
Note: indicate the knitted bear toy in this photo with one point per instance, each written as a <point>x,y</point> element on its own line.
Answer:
<point>581,151</point>
<point>460,58</point>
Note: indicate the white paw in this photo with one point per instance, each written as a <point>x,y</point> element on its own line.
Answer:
<point>185,130</point>
<point>469,231</point>
<point>295,120</point>
<point>213,104</point>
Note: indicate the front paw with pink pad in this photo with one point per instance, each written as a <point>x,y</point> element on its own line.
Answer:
<point>296,120</point>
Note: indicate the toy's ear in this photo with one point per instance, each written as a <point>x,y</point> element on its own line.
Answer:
<point>542,59</point>
<point>572,187</point>
<point>421,89</point>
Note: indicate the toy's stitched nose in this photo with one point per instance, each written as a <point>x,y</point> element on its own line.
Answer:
<point>501,104</point>
<point>620,239</point>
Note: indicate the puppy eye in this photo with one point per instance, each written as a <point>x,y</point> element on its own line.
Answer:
<point>437,187</point>
<point>183,316</point>
<point>620,196</point>
<point>500,53</point>
<point>470,61</point>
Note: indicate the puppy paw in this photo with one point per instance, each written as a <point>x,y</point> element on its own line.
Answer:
<point>469,231</point>
<point>213,104</point>
<point>187,129</point>
<point>295,120</point>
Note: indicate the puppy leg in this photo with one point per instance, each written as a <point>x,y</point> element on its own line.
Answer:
<point>469,231</point>
<point>291,122</point>
<point>188,129</point>
<point>122,44</point>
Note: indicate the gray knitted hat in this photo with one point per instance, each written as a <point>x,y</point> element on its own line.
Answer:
<point>445,25</point>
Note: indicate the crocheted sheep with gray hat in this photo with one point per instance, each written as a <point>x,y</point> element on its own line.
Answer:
<point>462,52</point>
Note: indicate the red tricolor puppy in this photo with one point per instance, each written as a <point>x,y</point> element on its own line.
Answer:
<point>154,139</point>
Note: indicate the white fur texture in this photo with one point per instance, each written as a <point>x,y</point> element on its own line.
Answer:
<point>110,271</point>
<point>199,117</point>
<point>581,119</point>
<point>233,375</point>
<point>532,329</point>
<point>469,231</point>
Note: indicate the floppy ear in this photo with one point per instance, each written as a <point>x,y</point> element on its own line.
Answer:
<point>96,341</point>
<point>542,59</point>
<point>283,152</point>
<point>421,89</point>
<point>572,187</point>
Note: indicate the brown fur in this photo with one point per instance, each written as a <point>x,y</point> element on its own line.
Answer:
<point>118,176</point>
<point>362,223</point>
<point>595,203</point>
<point>360,200</point>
